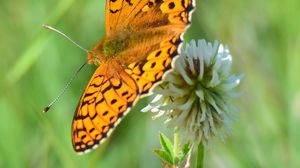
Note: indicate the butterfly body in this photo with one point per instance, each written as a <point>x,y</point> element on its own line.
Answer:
<point>142,39</point>
<point>128,46</point>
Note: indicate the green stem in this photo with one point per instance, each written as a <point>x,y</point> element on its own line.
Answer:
<point>176,146</point>
<point>200,156</point>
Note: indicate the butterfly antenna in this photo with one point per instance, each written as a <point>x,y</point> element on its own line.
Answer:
<point>47,108</point>
<point>67,37</point>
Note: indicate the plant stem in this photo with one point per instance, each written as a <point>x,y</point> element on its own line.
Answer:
<point>176,146</point>
<point>200,156</point>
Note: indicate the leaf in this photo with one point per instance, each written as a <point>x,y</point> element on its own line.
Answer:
<point>176,160</point>
<point>166,144</point>
<point>164,156</point>
<point>185,150</point>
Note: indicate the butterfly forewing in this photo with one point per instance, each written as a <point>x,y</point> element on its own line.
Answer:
<point>105,100</point>
<point>123,13</point>
<point>120,12</point>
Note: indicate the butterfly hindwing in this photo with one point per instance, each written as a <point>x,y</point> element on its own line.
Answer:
<point>148,72</point>
<point>105,100</point>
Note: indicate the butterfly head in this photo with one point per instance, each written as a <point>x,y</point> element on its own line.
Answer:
<point>93,58</point>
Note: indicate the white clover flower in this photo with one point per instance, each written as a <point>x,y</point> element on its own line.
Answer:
<point>195,96</point>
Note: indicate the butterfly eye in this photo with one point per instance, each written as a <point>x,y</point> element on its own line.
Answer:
<point>91,57</point>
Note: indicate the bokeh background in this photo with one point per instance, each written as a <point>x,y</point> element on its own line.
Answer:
<point>264,39</point>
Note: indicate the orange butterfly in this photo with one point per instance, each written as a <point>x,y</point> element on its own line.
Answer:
<point>142,38</point>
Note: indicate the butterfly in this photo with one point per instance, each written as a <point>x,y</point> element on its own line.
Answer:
<point>143,38</point>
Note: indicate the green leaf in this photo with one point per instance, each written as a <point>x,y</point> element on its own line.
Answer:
<point>166,144</point>
<point>164,156</point>
<point>185,150</point>
<point>176,160</point>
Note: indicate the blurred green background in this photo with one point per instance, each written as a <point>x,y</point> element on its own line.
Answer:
<point>264,39</point>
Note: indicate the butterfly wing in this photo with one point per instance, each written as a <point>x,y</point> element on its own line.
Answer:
<point>171,17</point>
<point>119,11</point>
<point>147,73</point>
<point>105,100</point>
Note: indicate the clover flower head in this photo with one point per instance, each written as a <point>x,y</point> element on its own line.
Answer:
<point>195,96</point>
